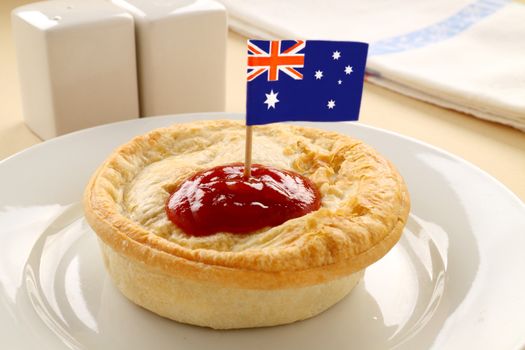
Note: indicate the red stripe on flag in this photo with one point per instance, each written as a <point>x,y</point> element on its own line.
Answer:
<point>256,73</point>
<point>252,48</point>
<point>291,48</point>
<point>294,72</point>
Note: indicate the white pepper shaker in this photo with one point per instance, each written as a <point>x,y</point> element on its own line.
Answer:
<point>76,63</point>
<point>181,49</point>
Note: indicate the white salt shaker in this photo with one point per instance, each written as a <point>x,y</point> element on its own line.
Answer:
<point>76,62</point>
<point>181,47</point>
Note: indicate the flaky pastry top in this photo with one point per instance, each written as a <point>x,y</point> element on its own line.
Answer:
<point>364,200</point>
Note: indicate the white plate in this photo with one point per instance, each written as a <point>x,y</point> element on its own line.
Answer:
<point>455,281</point>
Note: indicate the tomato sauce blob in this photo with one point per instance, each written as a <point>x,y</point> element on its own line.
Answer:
<point>222,199</point>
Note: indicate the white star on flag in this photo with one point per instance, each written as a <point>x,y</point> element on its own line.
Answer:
<point>348,69</point>
<point>318,74</point>
<point>331,104</point>
<point>339,82</point>
<point>336,55</point>
<point>271,99</point>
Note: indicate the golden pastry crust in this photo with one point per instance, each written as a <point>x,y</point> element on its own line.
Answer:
<point>220,307</point>
<point>364,208</point>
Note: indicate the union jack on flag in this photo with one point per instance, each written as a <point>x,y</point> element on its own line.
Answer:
<point>312,80</point>
<point>275,60</point>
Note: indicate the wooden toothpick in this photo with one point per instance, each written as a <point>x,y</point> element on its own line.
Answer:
<point>248,152</point>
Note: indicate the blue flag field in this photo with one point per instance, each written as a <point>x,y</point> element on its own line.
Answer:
<point>312,80</point>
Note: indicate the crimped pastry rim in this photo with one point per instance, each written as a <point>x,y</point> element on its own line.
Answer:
<point>133,241</point>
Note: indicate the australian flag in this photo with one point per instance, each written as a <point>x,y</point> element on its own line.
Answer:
<point>312,80</point>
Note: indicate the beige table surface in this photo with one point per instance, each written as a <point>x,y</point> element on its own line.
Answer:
<point>497,149</point>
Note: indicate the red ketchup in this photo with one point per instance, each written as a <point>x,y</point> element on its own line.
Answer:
<point>221,199</point>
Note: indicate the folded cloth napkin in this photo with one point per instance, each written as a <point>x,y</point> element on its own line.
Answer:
<point>460,54</point>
